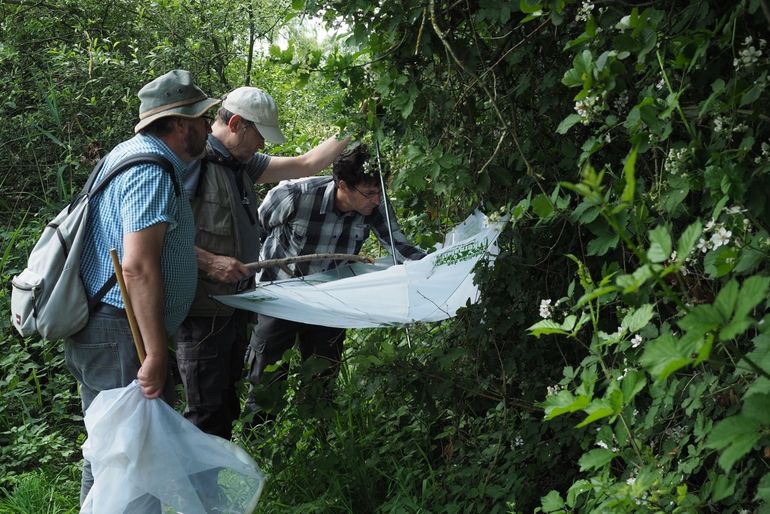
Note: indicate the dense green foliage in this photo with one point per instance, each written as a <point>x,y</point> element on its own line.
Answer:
<point>618,361</point>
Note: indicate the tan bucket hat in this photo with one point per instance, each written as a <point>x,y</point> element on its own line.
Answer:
<point>172,94</point>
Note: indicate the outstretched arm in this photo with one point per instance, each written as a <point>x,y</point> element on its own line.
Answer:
<point>309,163</point>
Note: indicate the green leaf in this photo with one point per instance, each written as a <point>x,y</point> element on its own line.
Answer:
<point>725,300</point>
<point>595,459</point>
<point>763,489</point>
<point>603,243</point>
<point>702,319</point>
<point>688,240</point>
<point>542,206</point>
<point>660,244</point>
<point>753,291</point>
<point>751,95</point>
<point>597,409</point>
<point>596,293</point>
<point>630,175</point>
<point>546,327</point>
<point>734,437</point>
<point>721,486</point>
<point>632,384</point>
<point>638,318</point>
<point>552,502</point>
<point>567,123</point>
<point>721,261</point>
<point>564,402</point>
<point>665,355</point>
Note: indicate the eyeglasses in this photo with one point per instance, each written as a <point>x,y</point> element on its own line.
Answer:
<point>369,195</point>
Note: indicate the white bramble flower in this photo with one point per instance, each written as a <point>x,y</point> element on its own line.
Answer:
<point>546,309</point>
<point>740,127</point>
<point>602,444</point>
<point>636,341</point>
<point>518,441</point>
<point>676,161</point>
<point>585,10</point>
<point>735,209</point>
<point>720,124</point>
<point>747,58</point>
<point>589,108</point>
<point>631,480</point>
<point>720,237</point>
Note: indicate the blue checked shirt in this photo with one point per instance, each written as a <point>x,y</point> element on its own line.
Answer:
<point>299,218</point>
<point>137,199</point>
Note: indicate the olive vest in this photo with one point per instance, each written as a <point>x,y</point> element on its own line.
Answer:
<point>225,210</point>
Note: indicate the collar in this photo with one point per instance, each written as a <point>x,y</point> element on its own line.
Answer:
<point>179,165</point>
<point>218,146</point>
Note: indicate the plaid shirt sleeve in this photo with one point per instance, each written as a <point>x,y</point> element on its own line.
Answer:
<point>277,207</point>
<point>404,250</point>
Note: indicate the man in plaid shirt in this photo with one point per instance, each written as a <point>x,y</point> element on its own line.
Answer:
<point>318,215</point>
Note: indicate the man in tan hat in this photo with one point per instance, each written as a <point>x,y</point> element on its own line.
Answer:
<point>145,214</point>
<point>212,341</point>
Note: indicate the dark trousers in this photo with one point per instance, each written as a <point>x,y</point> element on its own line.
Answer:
<point>103,356</point>
<point>210,354</point>
<point>272,337</point>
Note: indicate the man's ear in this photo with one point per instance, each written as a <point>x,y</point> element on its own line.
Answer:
<point>235,121</point>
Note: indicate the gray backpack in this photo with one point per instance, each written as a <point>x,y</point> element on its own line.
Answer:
<point>48,298</point>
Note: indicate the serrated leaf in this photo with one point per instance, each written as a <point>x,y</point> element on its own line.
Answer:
<point>720,262</point>
<point>632,384</point>
<point>753,291</point>
<point>638,318</point>
<point>665,355</point>
<point>688,240</point>
<point>542,206</point>
<point>564,402</point>
<point>701,319</point>
<point>734,329</point>
<point>596,293</point>
<point>629,173</point>
<point>725,300</point>
<point>602,244</point>
<point>552,502</point>
<point>734,437</point>
<point>660,244</point>
<point>546,327</point>
<point>763,489</point>
<point>597,409</point>
<point>567,123</point>
<point>595,459</point>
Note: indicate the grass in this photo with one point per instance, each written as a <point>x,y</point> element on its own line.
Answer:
<point>38,492</point>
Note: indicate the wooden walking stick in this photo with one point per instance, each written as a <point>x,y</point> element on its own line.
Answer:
<point>137,336</point>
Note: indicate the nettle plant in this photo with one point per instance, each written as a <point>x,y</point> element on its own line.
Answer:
<point>670,296</point>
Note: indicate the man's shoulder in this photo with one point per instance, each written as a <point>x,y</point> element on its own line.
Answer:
<point>140,144</point>
<point>305,185</point>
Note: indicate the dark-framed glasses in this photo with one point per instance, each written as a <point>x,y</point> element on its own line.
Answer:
<point>370,194</point>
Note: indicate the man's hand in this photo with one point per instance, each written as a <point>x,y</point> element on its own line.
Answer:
<point>222,268</point>
<point>152,376</point>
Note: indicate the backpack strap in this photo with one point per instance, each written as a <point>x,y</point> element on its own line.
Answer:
<point>129,162</point>
<point>91,190</point>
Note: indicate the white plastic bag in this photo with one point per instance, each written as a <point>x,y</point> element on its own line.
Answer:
<point>147,458</point>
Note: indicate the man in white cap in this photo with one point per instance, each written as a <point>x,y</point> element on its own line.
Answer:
<point>145,214</point>
<point>212,341</point>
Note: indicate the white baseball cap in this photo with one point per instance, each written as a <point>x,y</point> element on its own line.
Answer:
<point>258,107</point>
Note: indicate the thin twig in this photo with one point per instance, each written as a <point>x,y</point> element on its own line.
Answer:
<point>270,263</point>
